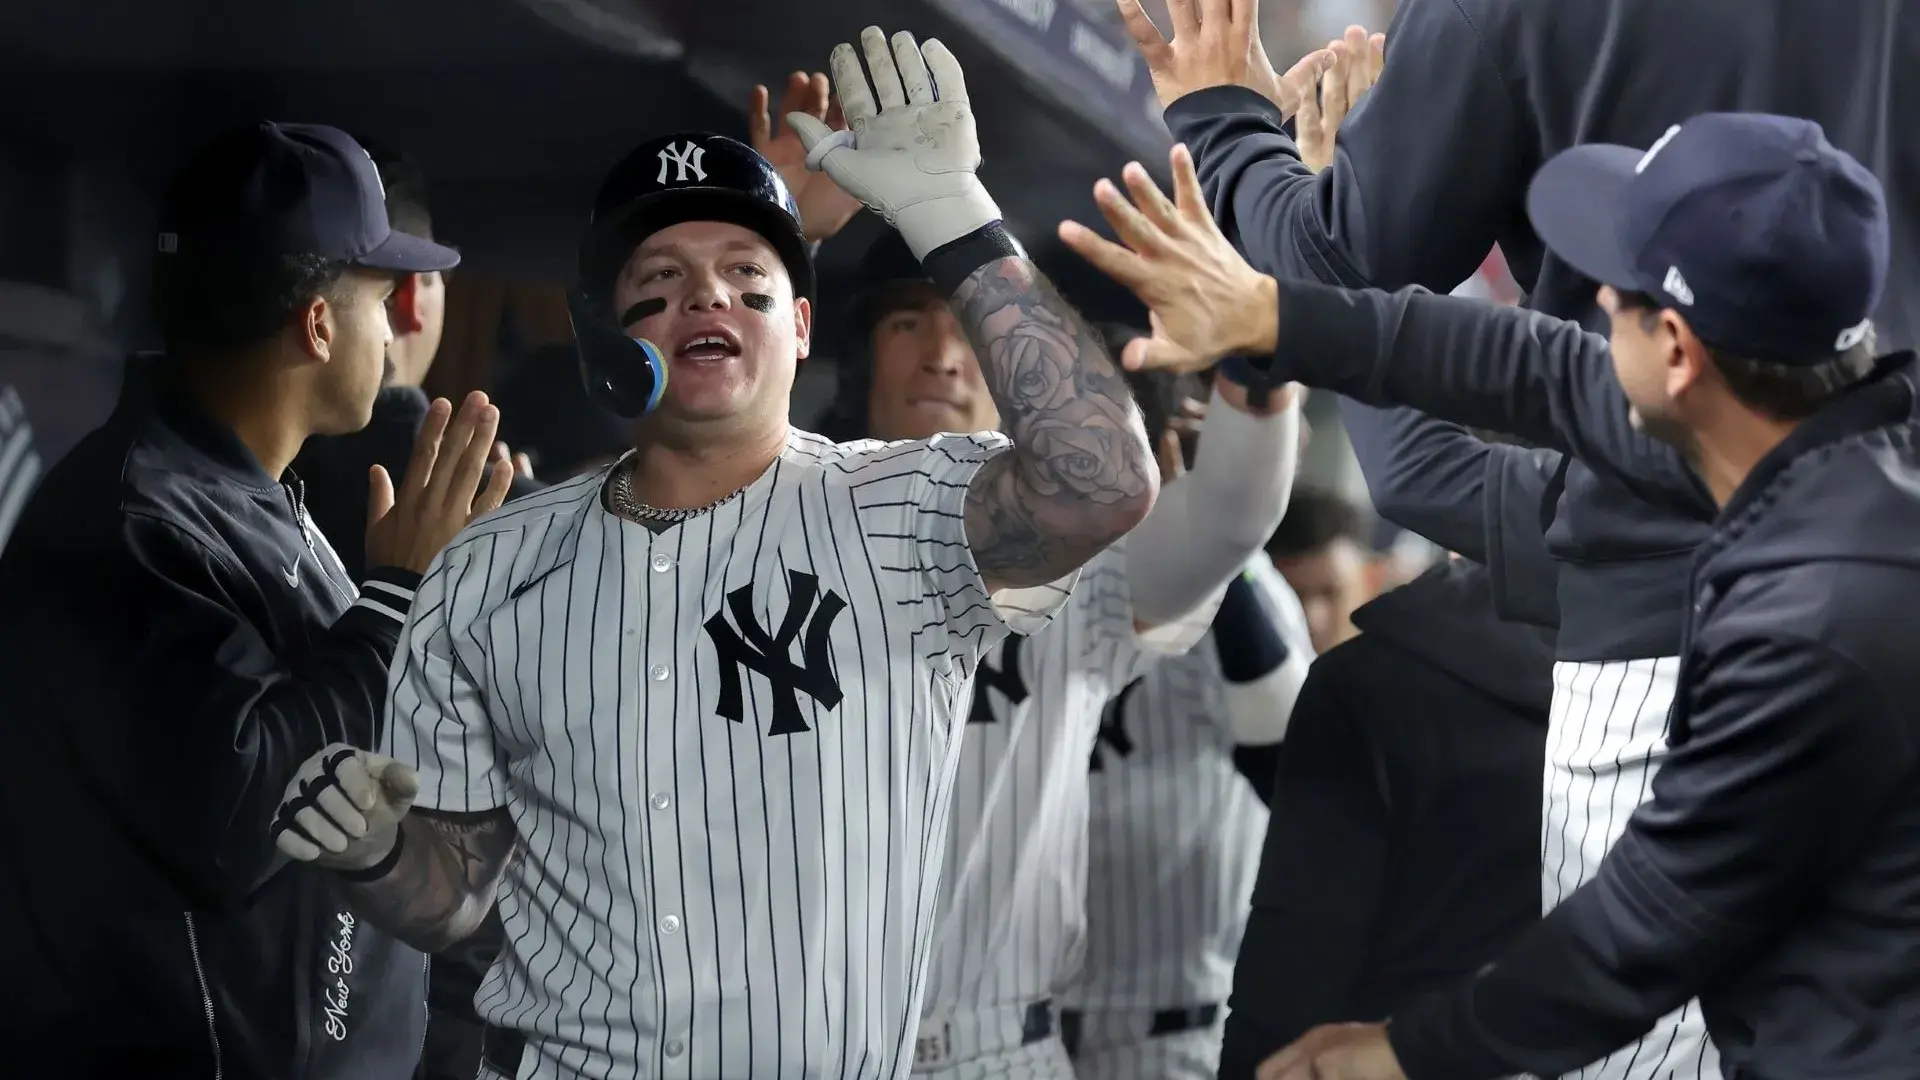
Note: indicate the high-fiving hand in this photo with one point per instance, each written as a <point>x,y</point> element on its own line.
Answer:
<point>824,208</point>
<point>913,156</point>
<point>1327,84</point>
<point>1215,43</point>
<point>1203,301</point>
<point>442,490</point>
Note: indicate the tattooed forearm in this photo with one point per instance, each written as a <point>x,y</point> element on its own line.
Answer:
<point>1081,473</point>
<point>443,886</point>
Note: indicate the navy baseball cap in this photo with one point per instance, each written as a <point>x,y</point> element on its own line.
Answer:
<point>268,190</point>
<point>1770,242</point>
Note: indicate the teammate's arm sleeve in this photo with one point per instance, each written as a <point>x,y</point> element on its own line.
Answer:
<point>1522,486</point>
<point>1482,365</point>
<point>1321,874</point>
<point>438,721</point>
<point>1790,755</point>
<point>1431,152</point>
<point>192,722</point>
<point>1206,524</point>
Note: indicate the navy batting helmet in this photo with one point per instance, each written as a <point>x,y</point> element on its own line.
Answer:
<point>887,263</point>
<point>689,176</point>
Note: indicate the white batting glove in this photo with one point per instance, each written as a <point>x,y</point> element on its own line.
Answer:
<point>342,810</point>
<point>912,160</point>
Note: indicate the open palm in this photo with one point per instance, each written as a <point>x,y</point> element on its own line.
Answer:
<point>824,208</point>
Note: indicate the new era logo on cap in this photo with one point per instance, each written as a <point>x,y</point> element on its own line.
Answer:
<point>1770,241</point>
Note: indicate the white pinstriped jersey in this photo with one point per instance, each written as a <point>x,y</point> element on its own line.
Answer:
<point>1174,834</point>
<point>728,749</point>
<point>1012,906</point>
<point>1606,736</point>
<point>19,462</point>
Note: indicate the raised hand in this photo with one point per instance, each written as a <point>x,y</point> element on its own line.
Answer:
<point>824,208</point>
<point>342,810</point>
<point>911,150</point>
<point>1214,43</point>
<point>1203,301</point>
<point>1328,83</point>
<point>442,491</point>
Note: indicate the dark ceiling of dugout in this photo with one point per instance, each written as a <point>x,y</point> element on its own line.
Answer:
<point>514,107</point>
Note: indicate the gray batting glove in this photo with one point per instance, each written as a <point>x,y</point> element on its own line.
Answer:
<point>912,157</point>
<point>343,808</point>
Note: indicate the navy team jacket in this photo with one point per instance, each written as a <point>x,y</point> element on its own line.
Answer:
<point>175,639</point>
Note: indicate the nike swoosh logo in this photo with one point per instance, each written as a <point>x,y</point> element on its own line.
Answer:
<point>292,574</point>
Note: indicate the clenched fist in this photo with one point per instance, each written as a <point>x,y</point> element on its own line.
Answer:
<point>342,810</point>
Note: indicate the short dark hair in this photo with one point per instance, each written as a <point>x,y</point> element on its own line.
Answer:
<point>1316,520</point>
<point>203,308</point>
<point>1781,391</point>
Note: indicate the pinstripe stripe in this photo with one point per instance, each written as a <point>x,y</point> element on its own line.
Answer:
<point>19,461</point>
<point>1606,737</point>
<point>700,898</point>
<point>1175,841</point>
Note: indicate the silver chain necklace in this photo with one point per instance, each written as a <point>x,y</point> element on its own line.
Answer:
<point>621,495</point>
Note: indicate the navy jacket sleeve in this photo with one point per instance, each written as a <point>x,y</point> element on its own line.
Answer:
<point>1432,154</point>
<point>1321,875</point>
<point>1788,756</point>
<point>1477,498</point>
<point>192,724</point>
<point>1505,369</point>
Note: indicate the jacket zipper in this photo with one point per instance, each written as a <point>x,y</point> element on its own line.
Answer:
<point>206,995</point>
<point>297,497</point>
<point>425,1008</point>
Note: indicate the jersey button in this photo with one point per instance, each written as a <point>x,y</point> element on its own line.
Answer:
<point>675,1048</point>
<point>660,800</point>
<point>670,924</point>
<point>662,562</point>
<point>659,673</point>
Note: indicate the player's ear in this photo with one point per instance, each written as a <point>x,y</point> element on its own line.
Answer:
<point>403,307</point>
<point>802,326</point>
<point>1687,361</point>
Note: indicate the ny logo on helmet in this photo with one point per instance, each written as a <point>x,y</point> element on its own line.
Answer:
<point>683,158</point>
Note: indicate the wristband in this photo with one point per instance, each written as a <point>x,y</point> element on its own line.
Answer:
<point>952,263</point>
<point>380,869</point>
<point>1258,382</point>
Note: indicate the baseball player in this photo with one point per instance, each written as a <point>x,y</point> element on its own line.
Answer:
<point>1180,774</point>
<point>19,461</point>
<point>1011,915</point>
<point>700,710</point>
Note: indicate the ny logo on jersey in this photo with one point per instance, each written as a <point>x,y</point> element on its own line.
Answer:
<point>1113,728</point>
<point>1006,678</point>
<point>683,158</point>
<point>769,654</point>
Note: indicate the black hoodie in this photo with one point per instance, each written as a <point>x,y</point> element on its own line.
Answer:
<point>1404,848</point>
<point>176,640</point>
<point>1775,872</point>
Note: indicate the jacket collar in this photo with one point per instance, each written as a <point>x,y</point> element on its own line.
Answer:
<point>154,386</point>
<point>1886,397</point>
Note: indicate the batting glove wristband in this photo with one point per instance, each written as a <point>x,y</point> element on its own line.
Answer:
<point>342,810</point>
<point>912,155</point>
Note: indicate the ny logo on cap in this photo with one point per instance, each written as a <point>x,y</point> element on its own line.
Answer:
<point>684,158</point>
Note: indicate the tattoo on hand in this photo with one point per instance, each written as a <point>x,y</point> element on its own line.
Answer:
<point>1081,473</point>
<point>445,880</point>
